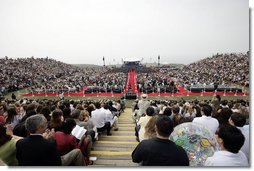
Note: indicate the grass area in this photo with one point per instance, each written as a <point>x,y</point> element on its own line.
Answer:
<point>128,102</point>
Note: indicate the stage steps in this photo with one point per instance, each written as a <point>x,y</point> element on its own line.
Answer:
<point>116,150</point>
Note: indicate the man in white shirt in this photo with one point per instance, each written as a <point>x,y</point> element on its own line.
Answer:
<point>99,119</point>
<point>113,120</point>
<point>238,120</point>
<point>211,123</point>
<point>230,140</point>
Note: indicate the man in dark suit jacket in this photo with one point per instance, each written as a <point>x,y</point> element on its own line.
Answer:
<point>35,150</point>
<point>39,149</point>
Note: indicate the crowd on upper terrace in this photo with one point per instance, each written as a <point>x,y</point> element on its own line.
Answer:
<point>222,69</point>
<point>25,72</point>
<point>48,75</point>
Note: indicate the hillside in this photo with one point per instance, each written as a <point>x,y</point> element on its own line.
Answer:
<point>87,65</point>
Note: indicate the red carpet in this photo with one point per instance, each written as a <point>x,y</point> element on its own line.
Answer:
<point>131,82</point>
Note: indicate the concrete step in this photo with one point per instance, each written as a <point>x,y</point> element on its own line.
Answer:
<point>114,147</point>
<point>124,163</point>
<point>109,145</point>
<point>126,129</point>
<point>126,117</point>
<point>112,157</point>
<point>115,142</point>
<point>117,138</point>
<point>126,122</point>
<point>119,132</point>
<point>126,125</point>
<point>111,153</point>
<point>124,133</point>
<point>129,120</point>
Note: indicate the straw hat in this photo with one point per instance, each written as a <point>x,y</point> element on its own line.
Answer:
<point>144,96</point>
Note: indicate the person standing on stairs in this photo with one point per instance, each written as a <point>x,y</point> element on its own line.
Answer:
<point>160,151</point>
<point>99,119</point>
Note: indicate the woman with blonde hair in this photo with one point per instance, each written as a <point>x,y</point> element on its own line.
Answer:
<point>143,121</point>
<point>150,128</point>
<point>84,115</point>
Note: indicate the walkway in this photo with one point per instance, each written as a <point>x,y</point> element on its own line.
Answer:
<point>116,150</point>
<point>131,82</point>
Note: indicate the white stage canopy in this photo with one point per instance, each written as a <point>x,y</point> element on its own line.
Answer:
<point>131,60</point>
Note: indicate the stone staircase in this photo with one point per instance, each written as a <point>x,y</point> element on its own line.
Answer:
<point>116,150</point>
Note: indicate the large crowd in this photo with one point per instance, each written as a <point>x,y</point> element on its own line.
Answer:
<point>24,121</point>
<point>221,69</point>
<point>40,132</point>
<point>228,121</point>
<point>48,75</point>
<point>44,75</point>
<point>108,81</point>
<point>158,81</point>
<point>21,73</point>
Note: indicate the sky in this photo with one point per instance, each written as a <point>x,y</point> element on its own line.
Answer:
<point>83,31</point>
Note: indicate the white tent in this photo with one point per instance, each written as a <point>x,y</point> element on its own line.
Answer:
<point>131,60</point>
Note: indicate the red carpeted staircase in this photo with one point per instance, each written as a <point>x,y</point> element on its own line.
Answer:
<point>131,82</point>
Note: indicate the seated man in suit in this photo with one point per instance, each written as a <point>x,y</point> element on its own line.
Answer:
<point>39,148</point>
